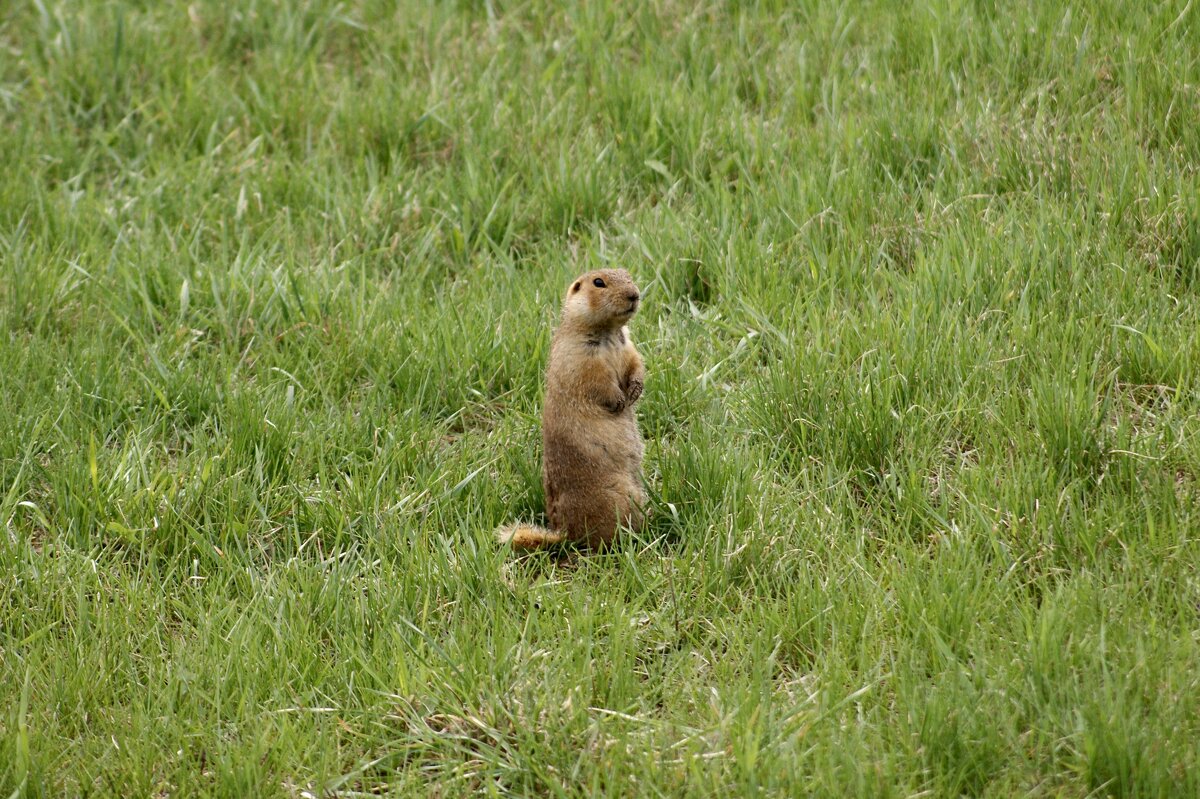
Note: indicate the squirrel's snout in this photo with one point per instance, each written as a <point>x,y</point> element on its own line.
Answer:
<point>633,296</point>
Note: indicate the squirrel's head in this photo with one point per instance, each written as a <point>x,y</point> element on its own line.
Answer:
<point>601,300</point>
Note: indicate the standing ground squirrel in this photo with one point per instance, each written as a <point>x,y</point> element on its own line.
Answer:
<point>592,448</point>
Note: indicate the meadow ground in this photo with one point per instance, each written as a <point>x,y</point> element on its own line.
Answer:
<point>920,320</point>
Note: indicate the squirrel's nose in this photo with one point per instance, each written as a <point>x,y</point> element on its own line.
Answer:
<point>633,296</point>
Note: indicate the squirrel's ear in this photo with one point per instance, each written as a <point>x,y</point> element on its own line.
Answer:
<point>575,288</point>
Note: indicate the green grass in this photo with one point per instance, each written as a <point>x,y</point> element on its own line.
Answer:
<point>277,281</point>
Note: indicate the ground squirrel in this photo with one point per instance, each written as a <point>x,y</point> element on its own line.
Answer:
<point>592,451</point>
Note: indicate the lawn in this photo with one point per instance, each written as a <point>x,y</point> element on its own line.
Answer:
<point>922,414</point>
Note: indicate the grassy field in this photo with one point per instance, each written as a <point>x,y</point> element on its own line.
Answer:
<point>277,281</point>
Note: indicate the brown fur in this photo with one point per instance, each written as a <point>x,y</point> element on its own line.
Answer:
<point>591,445</point>
<point>528,536</point>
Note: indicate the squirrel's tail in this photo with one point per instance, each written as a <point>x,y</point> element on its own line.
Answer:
<point>528,536</point>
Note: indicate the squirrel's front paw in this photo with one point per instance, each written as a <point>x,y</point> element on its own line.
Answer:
<point>617,405</point>
<point>633,391</point>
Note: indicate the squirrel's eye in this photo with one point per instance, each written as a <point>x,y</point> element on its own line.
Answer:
<point>598,283</point>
